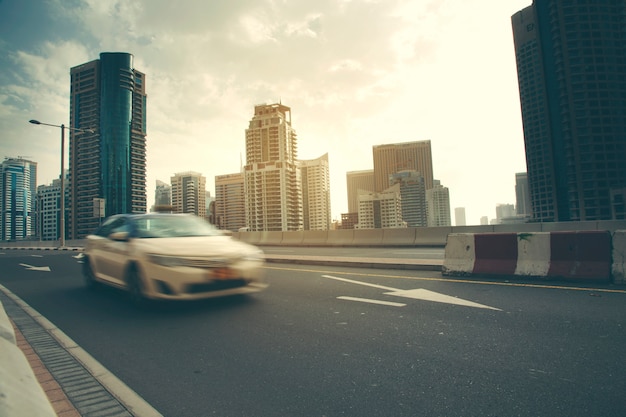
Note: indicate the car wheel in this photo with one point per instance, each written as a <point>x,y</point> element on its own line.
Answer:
<point>135,287</point>
<point>90,279</point>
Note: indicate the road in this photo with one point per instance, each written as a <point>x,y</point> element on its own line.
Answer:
<point>332,341</point>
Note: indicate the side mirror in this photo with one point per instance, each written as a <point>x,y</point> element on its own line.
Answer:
<point>119,236</point>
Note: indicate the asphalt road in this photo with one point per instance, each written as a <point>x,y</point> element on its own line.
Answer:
<point>331,341</point>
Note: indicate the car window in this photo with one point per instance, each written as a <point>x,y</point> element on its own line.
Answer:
<point>118,224</point>
<point>173,226</point>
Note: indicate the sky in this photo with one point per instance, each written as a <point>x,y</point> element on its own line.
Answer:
<point>356,73</point>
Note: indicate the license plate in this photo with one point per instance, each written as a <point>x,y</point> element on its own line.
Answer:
<point>222,273</point>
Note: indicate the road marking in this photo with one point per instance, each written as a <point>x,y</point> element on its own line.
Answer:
<point>36,268</point>
<point>422,294</point>
<point>418,294</point>
<point>367,300</point>
<point>37,256</point>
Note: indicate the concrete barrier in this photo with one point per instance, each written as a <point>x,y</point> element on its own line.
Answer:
<point>460,254</point>
<point>618,268</point>
<point>432,236</point>
<point>315,238</point>
<point>581,255</point>
<point>399,237</point>
<point>292,238</point>
<point>341,237</point>
<point>496,253</point>
<point>533,254</point>
<point>271,238</point>
<point>368,237</point>
<point>20,392</point>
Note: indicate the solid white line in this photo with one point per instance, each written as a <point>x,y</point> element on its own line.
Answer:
<point>362,283</point>
<point>367,300</point>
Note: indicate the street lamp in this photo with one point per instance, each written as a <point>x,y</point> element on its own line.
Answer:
<point>62,208</point>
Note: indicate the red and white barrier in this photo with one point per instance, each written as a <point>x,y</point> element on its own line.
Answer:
<point>576,255</point>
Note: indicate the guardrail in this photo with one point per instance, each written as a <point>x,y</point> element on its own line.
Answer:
<point>20,392</point>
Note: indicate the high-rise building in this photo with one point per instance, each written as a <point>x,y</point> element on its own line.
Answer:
<point>108,95</point>
<point>230,203</point>
<point>459,216</point>
<point>522,195</point>
<point>504,211</point>
<point>571,61</point>
<point>358,181</point>
<point>396,157</point>
<point>189,193</point>
<point>381,210</point>
<point>162,194</point>
<point>315,183</point>
<point>413,196</point>
<point>48,210</point>
<point>18,188</point>
<point>438,199</point>
<point>272,187</point>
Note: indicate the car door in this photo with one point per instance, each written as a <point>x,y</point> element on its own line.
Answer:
<point>117,252</point>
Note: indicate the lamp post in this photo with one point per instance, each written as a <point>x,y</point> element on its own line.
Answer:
<point>62,205</point>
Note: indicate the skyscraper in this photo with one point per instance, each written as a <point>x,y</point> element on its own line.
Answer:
<point>381,210</point>
<point>355,181</point>
<point>230,204</point>
<point>273,195</point>
<point>18,188</point>
<point>438,199</point>
<point>571,66</point>
<point>396,157</point>
<point>459,216</point>
<point>522,195</point>
<point>48,209</point>
<point>162,194</point>
<point>413,196</point>
<point>315,180</point>
<point>107,95</point>
<point>189,193</point>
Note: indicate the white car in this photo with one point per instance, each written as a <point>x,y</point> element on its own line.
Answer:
<point>170,256</point>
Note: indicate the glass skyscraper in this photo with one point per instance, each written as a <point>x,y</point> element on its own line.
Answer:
<point>571,66</point>
<point>18,188</point>
<point>107,95</point>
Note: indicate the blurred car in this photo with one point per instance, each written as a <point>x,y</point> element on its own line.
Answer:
<point>170,256</point>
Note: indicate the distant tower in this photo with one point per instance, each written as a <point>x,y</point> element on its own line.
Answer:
<point>273,195</point>
<point>230,205</point>
<point>107,95</point>
<point>438,199</point>
<point>381,210</point>
<point>18,179</point>
<point>459,216</point>
<point>570,68</point>
<point>189,193</point>
<point>48,209</point>
<point>315,179</point>
<point>522,194</point>
<point>358,180</point>
<point>162,194</point>
<point>413,197</point>
<point>396,157</point>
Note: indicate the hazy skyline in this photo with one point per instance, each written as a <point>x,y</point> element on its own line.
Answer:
<point>355,74</point>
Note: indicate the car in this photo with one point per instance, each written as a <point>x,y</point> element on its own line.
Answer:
<point>163,256</point>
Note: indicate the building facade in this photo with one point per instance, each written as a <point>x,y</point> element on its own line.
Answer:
<point>272,185</point>
<point>18,189</point>
<point>315,185</point>
<point>571,66</point>
<point>459,216</point>
<point>413,197</point>
<point>189,193</point>
<point>356,182</point>
<point>107,95</point>
<point>48,210</point>
<point>230,203</point>
<point>381,210</point>
<point>522,195</point>
<point>396,157</point>
<point>162,195</point>
<point>438,199</point>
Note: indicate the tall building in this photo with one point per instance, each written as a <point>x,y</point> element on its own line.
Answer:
<point>230,203</point>
<point>358,181</point>
<point>18,188</point>
<point>273,195</point>
<point>504,211</point>
<point>162,194</point>
<point>189,193</point>
<point>571,61</point>
<point>381,210</point>
<point>107,95</point>
<point>396,157</point>
<point>459,216</point>
<point>315,183</point>
<point>48,210</point>
<point>438,199</point>
<point>413,197</point>
<point>522,195</point>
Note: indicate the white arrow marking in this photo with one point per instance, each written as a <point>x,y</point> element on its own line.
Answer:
<point>421,294</point>
<point>36,268</point>
<point>418,294</point>
<point>367,300</point>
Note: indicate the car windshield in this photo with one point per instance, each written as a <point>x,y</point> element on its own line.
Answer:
<point>174,226</point>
